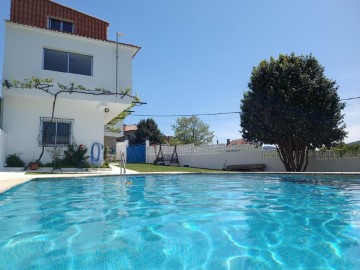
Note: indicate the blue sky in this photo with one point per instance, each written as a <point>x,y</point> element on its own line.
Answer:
<point>197,56</point>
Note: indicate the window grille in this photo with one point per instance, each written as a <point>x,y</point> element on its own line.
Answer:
<point>57,132</point>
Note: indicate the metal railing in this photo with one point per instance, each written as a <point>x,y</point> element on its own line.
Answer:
<point>122,163</point>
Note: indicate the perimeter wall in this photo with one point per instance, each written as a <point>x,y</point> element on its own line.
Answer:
<point>3,139</point>
<point>220,156</point>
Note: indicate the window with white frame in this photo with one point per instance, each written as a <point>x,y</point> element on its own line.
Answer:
<point>67,62</point>
<point>61,25</point>
<point>57,132</point>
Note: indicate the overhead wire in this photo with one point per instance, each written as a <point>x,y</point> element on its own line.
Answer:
<point>205,114</point>
<point>183,115</point>
<point>350,98</point>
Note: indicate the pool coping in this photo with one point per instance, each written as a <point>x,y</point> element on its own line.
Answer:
<point>15,177</point>
<point>9,180</point>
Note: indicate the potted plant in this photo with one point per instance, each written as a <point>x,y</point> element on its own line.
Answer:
<point>33,165</point>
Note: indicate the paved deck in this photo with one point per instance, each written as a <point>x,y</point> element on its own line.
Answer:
<point>13,177</point>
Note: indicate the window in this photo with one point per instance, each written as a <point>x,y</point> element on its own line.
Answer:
<point>61,25</point>
<point>56,132</point>
<point>80,64</point>
<point>67,62</point>
<point>55,60</point>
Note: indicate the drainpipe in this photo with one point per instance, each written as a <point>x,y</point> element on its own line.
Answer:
<point>117,60</point>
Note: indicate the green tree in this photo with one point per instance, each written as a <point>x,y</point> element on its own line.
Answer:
<point>148,129</point>
<point>192,130</point>
<point>291,104</point>
<point>174,141</point>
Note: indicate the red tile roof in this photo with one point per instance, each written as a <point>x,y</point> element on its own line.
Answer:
<point>37,12</point>
<point>239,142</point>
<point>130,127</point>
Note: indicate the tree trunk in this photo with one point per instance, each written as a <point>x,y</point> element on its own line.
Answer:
<point>306,159</point>
<point>293,154</point>
<point>46,131</point>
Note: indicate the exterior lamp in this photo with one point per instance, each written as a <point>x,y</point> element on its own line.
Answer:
<point>107,110</point>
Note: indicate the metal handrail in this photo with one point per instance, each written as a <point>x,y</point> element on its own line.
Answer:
<point>122,163</point>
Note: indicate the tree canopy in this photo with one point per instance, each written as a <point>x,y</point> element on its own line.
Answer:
<point>148,129</point>
<point>192,130</point>
<point>293,105</point>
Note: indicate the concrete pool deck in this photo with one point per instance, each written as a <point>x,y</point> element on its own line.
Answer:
<point>15,176</point>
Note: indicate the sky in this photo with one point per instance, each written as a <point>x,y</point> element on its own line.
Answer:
<point>197,55</point>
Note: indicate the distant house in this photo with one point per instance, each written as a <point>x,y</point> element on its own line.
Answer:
<point>44,39</point>
<point>244,142</point>
<point>237,142</point>
<point>129,132</point>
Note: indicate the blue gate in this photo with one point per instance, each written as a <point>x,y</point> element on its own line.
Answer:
<point>136,154</point>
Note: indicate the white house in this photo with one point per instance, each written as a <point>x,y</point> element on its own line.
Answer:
<point>44,39</point>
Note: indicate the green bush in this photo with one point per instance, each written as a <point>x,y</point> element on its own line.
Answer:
<point>105,164</point>
<point>75,156</point>
<point>14,161</point>
<point>351,149</point>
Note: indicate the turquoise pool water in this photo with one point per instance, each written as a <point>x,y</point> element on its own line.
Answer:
<point>182,222</point>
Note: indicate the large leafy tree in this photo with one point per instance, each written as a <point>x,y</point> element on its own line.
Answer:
<point>192,130</point>
<point>291,104</point>
<point>148,129</point>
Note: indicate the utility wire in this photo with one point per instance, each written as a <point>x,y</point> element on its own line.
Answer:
<point>203,114</point>
<point>183,115</point>
<point>350,98</point>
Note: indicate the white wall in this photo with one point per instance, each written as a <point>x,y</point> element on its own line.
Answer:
<point>334,165</point>
<point>218,157</point>
<point>22,123</point>
<point>121,148</point>
<point>221,160</point>
<point>3,139</point>
<point>24,57</point>
<point>22,108</point>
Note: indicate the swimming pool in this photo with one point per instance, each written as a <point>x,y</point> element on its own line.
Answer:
<point>220,221</point>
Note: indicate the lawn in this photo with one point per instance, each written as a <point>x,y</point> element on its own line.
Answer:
<point>141,167</point>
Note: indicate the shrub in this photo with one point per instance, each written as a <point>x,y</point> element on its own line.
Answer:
<point>105,164</point>
<point>106,152</point>
<point>14,161</point>
<point>350,149</point>
<point>75,156</point>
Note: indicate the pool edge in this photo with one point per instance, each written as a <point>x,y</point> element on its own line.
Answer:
<point>10,180</point>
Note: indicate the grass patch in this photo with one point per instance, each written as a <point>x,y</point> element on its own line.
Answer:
<point>141,167</point>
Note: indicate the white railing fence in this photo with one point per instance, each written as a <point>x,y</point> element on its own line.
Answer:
<point>330,155</point>
<point>190,149</point>
<point>219,156</point>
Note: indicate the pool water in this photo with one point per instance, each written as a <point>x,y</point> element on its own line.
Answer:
<point>220,221</point>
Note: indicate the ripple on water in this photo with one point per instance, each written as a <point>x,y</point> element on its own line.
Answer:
<point>182,222</point>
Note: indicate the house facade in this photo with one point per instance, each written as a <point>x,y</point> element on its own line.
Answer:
<point>44,39</point>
